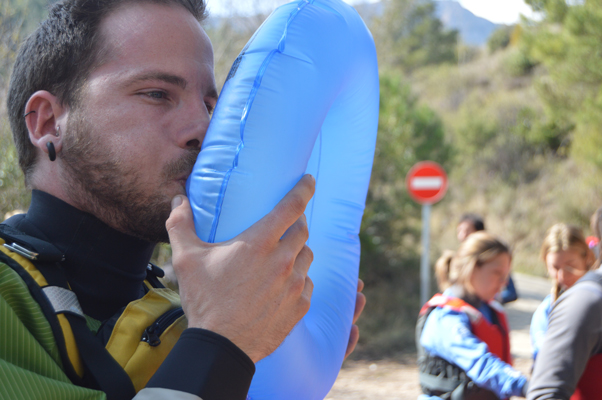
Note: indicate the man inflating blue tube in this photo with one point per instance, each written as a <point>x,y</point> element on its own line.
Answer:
<point>109,103</point>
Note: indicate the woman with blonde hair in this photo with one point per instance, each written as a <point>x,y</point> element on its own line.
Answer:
<point>462,335</point>
<point>567,257</point>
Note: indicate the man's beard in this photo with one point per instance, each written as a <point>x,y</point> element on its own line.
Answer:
<point>99,184</point>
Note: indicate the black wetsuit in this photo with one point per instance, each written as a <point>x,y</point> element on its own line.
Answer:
<point>106,269</point>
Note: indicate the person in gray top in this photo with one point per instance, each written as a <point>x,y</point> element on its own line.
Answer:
<point>569,364</point>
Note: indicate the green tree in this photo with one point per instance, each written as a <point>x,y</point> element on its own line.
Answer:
<point>13,194</point>
<point>407,133</point>
<point>500,38</point>
<point>567,43</point>
<point>409,35</point>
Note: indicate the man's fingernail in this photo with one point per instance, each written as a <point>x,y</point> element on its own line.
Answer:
<point>176,201</point>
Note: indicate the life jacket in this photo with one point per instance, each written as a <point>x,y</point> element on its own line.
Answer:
<point>589,386</point>
<point>128,348</point>
<point>444,379</point>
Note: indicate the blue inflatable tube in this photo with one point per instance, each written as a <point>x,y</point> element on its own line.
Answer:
<point>302,97</point>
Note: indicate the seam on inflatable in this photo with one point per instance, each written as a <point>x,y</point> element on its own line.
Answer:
<point>256,84</point>
<point>313,203</point>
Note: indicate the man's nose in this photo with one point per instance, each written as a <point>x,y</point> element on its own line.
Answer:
<point>194,126</point>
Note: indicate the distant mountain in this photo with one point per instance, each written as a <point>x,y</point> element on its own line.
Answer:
<point>473,30</point>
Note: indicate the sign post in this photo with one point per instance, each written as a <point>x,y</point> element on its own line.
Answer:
<point>425,270</point>
<point>427,184</point>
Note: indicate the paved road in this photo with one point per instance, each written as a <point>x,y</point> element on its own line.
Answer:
<point>387,380</point>
<point>531,290</point>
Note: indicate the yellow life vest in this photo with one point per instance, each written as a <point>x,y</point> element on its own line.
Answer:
<point>140,340</point>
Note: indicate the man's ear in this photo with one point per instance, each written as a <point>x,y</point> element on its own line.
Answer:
<point>43,114</point>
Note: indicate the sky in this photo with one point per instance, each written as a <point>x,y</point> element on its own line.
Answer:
<point>498,11</point>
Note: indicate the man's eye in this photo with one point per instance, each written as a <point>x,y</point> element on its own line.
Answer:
<point>209,108</point>
<point>156,95</point>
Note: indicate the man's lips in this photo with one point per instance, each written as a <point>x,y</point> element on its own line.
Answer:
<point>180,169</point>
<point>182,178</point>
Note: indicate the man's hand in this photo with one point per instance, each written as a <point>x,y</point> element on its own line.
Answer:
<point>254,288</point>
<point>360,302</point>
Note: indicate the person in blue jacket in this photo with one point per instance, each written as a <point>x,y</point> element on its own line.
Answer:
<point>567,257</point>
<point>462,335</point>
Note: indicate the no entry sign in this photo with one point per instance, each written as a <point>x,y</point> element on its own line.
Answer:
<point>426,182</point>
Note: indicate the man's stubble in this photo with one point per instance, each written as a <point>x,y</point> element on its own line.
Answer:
<point>106,187</point>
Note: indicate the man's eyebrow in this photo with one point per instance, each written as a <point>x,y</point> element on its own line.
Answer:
<point>159,76</point>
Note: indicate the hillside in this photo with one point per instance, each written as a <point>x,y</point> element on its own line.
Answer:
<point>518,187</point>
<point>502,122</point>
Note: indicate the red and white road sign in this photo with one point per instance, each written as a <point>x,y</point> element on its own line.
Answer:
<point>426,182</point>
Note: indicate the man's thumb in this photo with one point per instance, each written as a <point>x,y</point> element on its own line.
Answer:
<point>180,224</point>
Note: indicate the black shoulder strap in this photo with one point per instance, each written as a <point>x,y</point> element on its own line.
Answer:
<point>436,375</point>
<point>419,328</point>
<point>29,246</point>
<point>102,372</point>
<point>153,273</point>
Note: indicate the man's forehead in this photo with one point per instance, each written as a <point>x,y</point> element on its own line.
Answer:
<point>156,37</point>
<point>143,24</point>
